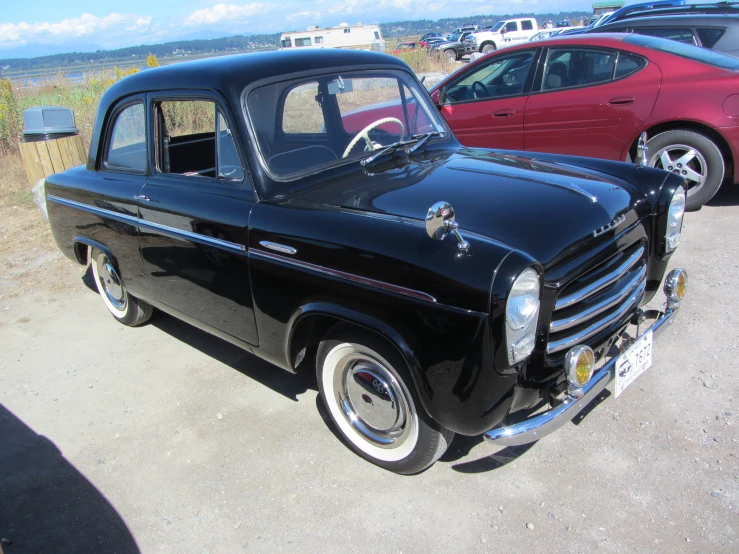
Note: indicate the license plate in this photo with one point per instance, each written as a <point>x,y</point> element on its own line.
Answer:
<point>632,363</point>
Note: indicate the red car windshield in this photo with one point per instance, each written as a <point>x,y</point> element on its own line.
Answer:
<point>683,50</point>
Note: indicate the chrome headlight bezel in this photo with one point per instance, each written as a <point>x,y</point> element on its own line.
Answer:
<point>675,214</point>
<point>522,315</point>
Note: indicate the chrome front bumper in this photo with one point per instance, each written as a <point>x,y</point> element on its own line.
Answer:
<point>540,426</point>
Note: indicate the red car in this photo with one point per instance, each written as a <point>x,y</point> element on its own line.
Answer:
<point>595,95</point>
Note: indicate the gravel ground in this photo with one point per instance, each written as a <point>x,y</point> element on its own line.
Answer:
<point>164,439</point>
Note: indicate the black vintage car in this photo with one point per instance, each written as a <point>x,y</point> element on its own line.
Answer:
<point>316,210</point>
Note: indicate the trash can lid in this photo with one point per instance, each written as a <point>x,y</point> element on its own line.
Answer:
<point>48,120</point>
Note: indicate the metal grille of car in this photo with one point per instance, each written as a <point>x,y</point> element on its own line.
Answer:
<point>598,299</point>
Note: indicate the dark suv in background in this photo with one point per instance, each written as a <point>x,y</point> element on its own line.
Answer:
<point>716,32</point>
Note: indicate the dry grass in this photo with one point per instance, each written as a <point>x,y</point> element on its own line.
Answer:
<point>26,244</point>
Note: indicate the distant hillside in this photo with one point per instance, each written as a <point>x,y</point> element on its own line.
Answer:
<point>243,43</point>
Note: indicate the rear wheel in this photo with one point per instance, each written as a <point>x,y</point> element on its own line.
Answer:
<point>488,48</point>
<point>694,157</point>
<point>370,397</point>
<point>125,308</point>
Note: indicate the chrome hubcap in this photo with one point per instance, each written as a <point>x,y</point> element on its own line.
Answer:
<point>685,161</point>
<point>111,283</point>
<point>372,401</point>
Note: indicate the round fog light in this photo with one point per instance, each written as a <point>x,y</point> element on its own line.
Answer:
<point>579,365</point>
<point>676,285</point>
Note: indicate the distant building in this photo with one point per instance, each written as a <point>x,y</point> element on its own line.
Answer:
<point>607,7</point>
<point>359,37</point>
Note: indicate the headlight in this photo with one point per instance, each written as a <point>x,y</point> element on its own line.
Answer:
<point>675,219</point>
<point>522,313</point>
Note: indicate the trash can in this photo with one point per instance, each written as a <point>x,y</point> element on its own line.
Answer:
<point>51,142</point>
<point>48,123</point>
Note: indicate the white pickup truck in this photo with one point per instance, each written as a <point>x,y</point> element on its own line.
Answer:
<point>503,34</point>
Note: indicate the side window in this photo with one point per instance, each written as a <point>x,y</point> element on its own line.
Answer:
<point>127,147</point>
<point>577,67</point>
<point>527,26</point>
<point>377,35</point>
<point>229,164</point>
<point>511,27</point>
<point>193,139</point>
<point>680,34</point>
<point>319,40</point>
<point>347,31</point>
<point>503,76</point>
<point>302,114</point>
<point>709,35</point>
<point>287,43</point>
<point>302,42</point>
<point>628,64</point>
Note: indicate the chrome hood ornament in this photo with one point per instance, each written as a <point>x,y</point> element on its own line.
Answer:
<point>642,150</point>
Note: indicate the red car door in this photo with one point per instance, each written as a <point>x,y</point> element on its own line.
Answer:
<point>590,102</point>
<point>485,105</point>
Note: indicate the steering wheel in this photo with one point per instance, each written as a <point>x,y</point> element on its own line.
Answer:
<point>363,134</point>
<point>483,87</point>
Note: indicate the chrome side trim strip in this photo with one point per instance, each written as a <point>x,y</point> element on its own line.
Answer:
<point>562,344</point>
<point>601,283</point>
<point>94,210</point>
<point>345,276</point>
<point>600,307</point>
<point>278,247</point>
<point>179,233</point>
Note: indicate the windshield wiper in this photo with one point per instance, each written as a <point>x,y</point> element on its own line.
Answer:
<point>423,139</point>
<point>416,140</point>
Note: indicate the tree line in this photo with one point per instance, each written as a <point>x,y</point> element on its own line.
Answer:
<point>241,43</point>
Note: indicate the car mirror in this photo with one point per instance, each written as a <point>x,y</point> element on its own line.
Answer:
<point>439,97</point>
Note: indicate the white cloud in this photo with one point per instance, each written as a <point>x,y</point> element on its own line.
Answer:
<point>225,12</point>
<point>86,26</point>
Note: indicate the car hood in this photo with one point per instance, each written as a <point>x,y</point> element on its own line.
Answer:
<point>547,209</point>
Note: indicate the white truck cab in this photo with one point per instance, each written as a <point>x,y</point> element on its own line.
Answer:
<point>505,33</point>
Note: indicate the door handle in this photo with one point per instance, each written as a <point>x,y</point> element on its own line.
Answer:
<point>621,101</point>
<point>144,198</point>
<point>504,113</point>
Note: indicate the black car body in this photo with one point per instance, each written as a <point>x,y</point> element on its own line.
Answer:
<point>259,233</point>
<point>715,32</point>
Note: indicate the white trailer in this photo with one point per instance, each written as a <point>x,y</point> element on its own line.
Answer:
<point>357,37</point>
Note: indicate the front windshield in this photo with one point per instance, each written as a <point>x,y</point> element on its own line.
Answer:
<point>305,125</point>
<point>495,28</point>
<point>455,37</point>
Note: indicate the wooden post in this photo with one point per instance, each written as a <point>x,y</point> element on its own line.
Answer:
<point>44,158</point>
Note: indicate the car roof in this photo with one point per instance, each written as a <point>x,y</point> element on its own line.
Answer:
<point>226,72</point>
<point>671,21</point>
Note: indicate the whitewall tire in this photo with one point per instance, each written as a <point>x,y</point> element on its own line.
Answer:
<point>125,308</point>
<point>370,398</point>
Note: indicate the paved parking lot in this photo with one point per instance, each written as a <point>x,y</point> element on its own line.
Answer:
<point>165,439</point>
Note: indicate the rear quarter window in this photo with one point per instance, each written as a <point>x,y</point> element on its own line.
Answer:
<point>709,35</point>
<point>628,64</point>
<point>701,55</point>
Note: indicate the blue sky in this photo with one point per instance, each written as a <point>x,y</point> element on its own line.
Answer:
<point>47,26</point>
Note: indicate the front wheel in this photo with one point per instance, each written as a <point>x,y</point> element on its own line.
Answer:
<point>125,308</point>
<point>694,157</point>
<point>488,48</point>
<point>451,55</point>
<point>370,397</point>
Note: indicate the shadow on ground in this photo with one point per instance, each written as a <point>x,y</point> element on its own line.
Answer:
<point>283,382</point>
<point>728,195</point>
<point>46,505</point>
